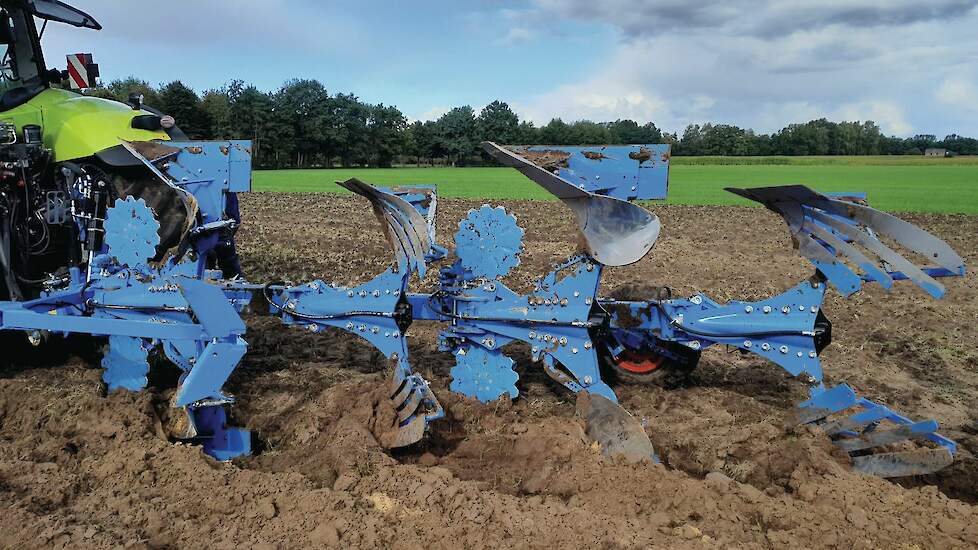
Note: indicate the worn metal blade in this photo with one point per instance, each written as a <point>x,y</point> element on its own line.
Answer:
<point>409,406</point>
<point>801,208</point>
<point>406,229</point>
<point>614,232</point>
<point>909,463</point>
<point>617,432</point>
<point>414,407</point>
<point>401,390</point>
<point>405,435</point>
<point>807,415</point>
<point>855,423</point>
<point>907,234</point>
<point>878,438</point>
<point>823,404</point>
<point>847,250</point>
<point>885,253</point>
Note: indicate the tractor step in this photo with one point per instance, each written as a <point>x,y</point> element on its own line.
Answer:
<point>858,425</point>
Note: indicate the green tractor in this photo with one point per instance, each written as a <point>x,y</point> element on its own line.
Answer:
<point>66,156</point>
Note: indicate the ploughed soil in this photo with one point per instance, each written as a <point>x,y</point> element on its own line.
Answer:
<point>79,468</point>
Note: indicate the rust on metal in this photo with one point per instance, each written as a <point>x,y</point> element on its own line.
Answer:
<point>548,159</point>
<point>154,151</point>
<point>642,155</point>
<point>594,155</point>
<point>624,316</point>
<point>195,150</point>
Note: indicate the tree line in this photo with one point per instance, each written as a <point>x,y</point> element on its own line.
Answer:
<point>302,125</point>
<point>816,137</point>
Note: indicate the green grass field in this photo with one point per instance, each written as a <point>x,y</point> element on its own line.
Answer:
<point>928,185</point>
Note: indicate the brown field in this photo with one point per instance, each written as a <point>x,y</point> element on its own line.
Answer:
<point>80,469</point>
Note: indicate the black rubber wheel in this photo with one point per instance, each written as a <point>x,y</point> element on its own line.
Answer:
<point>667,368</point>
<point>650,368</point>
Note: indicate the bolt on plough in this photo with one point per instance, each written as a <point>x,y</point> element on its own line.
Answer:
<point>574,334</point>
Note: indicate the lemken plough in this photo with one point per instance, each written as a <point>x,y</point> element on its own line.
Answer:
<point>141,302</point>
<point>108,215</point>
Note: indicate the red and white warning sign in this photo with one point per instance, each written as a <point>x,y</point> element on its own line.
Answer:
<point>82,71</point>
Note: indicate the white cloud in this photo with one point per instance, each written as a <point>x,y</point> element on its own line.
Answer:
<point>617,91</point>
<point>433,113</point>
<point>845,60</point>
<point>516,35</point>
<point>888,115</point>
<point>958,91</point>
<point>584,101</point>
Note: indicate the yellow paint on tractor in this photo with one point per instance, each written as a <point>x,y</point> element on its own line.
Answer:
<point>77,126</point>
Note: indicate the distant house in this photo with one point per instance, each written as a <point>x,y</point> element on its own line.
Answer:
<point>938,153</point>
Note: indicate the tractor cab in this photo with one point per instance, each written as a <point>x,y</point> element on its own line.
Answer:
<point>23,73</point>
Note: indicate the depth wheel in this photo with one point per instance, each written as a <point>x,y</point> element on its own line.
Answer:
<point>649,367</point>
<point>667,368</point>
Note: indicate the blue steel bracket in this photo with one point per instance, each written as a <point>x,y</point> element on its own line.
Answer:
<point>375,312</point>
<point>212,308</point>
<point>210,425</point>
<point>207,356</point>
<point>368,310</point>
<point>554,320</point>
<point>171,302</point>
<point>781,329</point>
<point>208,170</point>
<point>626,172</point>
<point>209,372</point>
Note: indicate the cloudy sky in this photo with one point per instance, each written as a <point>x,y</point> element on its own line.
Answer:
<point>910,65</point>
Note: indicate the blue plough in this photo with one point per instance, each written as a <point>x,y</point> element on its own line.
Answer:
<point>181,308</point>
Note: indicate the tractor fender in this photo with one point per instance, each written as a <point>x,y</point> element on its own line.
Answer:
<point>77,126</point>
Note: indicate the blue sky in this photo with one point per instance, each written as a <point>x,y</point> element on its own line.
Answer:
<point>911,66</point>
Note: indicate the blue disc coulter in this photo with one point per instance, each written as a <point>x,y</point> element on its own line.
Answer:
<point>146,294</point>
